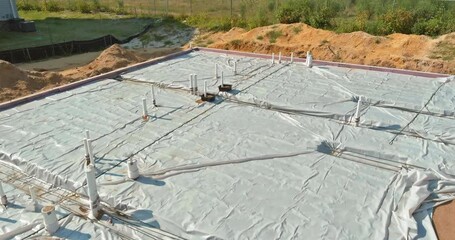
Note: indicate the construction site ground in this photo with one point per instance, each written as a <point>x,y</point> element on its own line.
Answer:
<point>411,52</point>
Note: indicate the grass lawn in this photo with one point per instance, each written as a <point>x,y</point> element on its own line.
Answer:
<point>67,26</point>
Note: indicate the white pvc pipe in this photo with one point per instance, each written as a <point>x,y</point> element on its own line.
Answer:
<point>222,79</point>
<point>357,111</point>
<point>205,88</point>
<point>87,151</point>
<point>216,71</point>
<point>292,57</point>
<point>92,191</point>
<point>90,152</point>
<point>153,96</point>
<point>34,198</point>
<point>133,170</point>
<point>273,58</point>
<point>87,134</point>
<point>279,58</point>
<point>144,108</point>
<point>195,84</point>
<point>4,200</point>
<point>309,59</point>
<point>235,68</point>
<point>50,219</point>
<point>191,83</point>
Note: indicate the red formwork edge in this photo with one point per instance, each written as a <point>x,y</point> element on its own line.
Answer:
<point>70,86</point>
<point>327,63</point>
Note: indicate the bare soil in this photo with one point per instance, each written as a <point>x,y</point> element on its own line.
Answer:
<point>397,50</point>
<point>414,52</point>
<point>16,82</point>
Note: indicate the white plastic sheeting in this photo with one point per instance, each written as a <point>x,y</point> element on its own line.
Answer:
<point>279,157</point>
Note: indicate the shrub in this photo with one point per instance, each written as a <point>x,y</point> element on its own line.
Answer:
<point>274,35</point>
<point>26,5</point>
<point>398,21</point>
<point>53,6</point>
<point>294,11</point>
<point>83,6</point>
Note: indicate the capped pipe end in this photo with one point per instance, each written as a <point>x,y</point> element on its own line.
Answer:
<point>50,219</point>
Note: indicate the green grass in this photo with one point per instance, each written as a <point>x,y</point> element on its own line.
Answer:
<point>67,26</point>
<point>274,35</point>
<point>444,51</point>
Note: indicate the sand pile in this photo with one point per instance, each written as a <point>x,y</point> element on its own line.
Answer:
<point>10,75</point>
<point>15,82</point>
<point>110,59</point>
<point>397,50</point>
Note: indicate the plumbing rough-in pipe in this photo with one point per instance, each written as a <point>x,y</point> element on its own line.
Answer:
<point>235,67</point>
<point>273,58</point>
<point>92,192</point>
<point>279,58</point>
<point>144,109</point>
<point>50,219</point>
<point>133,170</point>
<point>357,111</point>
<point>216,71</point>
<point>153,96</point>
<point>34,198</point>
<point>191,83</point>
<point>309,59</point>
<point>195,84</point>
<point>87,151</point>
<point>4,200</point>
<point>205,88</point>
<point>292,57</point>
<point>222,79</point>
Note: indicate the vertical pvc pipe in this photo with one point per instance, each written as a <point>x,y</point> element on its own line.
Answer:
<point>216,71</point>
<point>309,59</point>
<point>357,111</point>
<point>92,191</point>
<point>191,83</point>
<point>273,58</point>
<point>222,79</point>
<point>50,219</point>
<point>133,170</point>
<point>34,198</point>
<point>235,68</point>
<point>153,96</point>
<point>90,152</point>
<point>144,108</point>
<point>205,88</point>
<point>87,134</point>
<point>195,84</point>
<point>87,150</point>
<point>4,200</point>
<point>279,58</point>
<point>292,57</point>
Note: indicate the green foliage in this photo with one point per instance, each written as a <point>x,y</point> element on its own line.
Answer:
<point>27,5</point>
<point>379,17</point>
<point>53,6</point>
<point>273,35</point>
<point>398,21</point>
<point>237,43</point>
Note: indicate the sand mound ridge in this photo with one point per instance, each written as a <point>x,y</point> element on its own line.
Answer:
<point>10,75</point>
<point>110,59</point>
<point>412,52</point>
<point>15,82</point>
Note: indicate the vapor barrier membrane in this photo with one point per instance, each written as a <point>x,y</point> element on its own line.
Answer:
<point>277,157</point>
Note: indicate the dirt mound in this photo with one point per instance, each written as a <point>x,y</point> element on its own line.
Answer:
<point>112,58</point>
<point>397,50</point>
<point>15,82</point>
<point>10,75</point>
